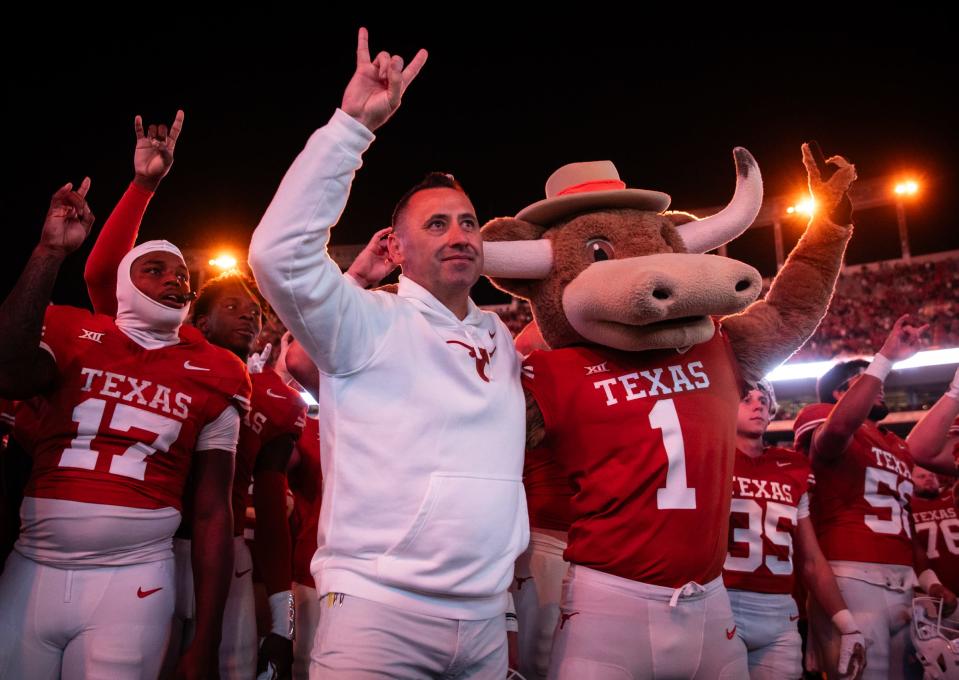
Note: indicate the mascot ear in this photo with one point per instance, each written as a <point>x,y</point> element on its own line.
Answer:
<point>520,257</point>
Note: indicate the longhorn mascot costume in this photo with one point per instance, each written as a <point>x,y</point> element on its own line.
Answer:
<point>652,344</point>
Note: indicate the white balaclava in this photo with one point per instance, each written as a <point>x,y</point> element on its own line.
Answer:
<point>146,321</point>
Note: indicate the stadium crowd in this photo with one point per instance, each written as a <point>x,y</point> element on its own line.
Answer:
<point>170,510</point>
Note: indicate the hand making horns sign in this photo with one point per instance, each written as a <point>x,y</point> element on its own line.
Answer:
<point>376,88</point>
<point>153,155</point>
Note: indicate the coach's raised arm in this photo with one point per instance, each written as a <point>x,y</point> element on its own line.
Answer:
<point>288,251</point>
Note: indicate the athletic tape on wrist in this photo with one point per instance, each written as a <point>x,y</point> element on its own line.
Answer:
<point>953,390</point>
<point>879,368</point>
<point>928,579</point>
<point>844,622</point>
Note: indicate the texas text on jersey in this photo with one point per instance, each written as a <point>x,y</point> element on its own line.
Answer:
<point>937,532</point>
<point>663,481</point>
<point>116,440</point>
<point>859,507</point>
<point>769,497</point>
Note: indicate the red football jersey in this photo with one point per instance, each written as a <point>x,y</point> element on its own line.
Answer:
<point>647,442</point>
<point>120,426</point>
<point>307,486</point>
<point>937,533</point>
<point>859,504</point>
<point>765,512</point>
<point>275,410</point>
<point>547,491</point>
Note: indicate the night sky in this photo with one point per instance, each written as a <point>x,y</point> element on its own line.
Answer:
<point>498,104</point>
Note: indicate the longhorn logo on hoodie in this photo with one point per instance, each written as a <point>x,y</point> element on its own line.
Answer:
<point>480,355</point>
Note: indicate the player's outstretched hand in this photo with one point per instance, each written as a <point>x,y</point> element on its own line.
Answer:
<point>905,339</point>
<point>376,88</point>
<point>373,264</point>
<point>68,220</point>
<point>829,185</point>
<point>153,155</point>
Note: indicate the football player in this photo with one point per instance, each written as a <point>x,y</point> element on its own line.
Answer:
<point>859,510</point>
<point>769,517</point>
<point>229,313</point>
<point>936,533</point>
<point>129,409</point>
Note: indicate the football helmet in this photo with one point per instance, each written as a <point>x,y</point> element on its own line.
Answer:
<point>936,641</point>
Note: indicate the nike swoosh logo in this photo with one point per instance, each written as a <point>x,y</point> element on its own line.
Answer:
<point>492,334</point>
<point>782,464</point>
<point>188,366</point>
<point>730,633</point>
<point>274,394</point>
<point>141,593</point>
<point>794,618</point>
<point>241,574</point>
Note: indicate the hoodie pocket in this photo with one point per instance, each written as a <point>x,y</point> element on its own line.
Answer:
<point>464,539</point>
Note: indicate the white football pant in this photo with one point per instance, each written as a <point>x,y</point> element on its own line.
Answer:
<point>618,629</point>
<point>106,623</point>
<point>766,623</point>
<point>537,587</point>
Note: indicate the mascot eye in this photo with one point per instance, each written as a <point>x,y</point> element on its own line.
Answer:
<point>600,250</point>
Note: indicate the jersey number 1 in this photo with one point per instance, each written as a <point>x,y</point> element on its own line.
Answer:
<point>675,495</point>
<point>131,463</point>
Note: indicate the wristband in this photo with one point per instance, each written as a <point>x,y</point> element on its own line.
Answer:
<point>281,609</point>
<point>928,579</point>
<point>879,368</point>
<point>953,390</point>
<point>844,622</point>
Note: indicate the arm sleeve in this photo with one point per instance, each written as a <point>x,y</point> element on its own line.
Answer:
<point>115,240</point>
<point>338,324</point>
<point>803,507</point>
<point>222,433</point>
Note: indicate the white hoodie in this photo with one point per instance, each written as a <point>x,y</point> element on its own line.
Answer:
<point>421,415</point>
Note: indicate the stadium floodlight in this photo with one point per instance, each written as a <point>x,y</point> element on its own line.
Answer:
<point>224,261</point>
<point>814,369</point>
<point>933,357</point>
<point>907,188</point>
<point>805,206</point>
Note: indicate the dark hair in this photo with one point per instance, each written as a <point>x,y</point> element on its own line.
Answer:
<point>837,377</point>
<point>433,180</point>
<point>213,288</point>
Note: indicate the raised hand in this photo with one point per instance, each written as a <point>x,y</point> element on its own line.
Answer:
<point>904,340</point>
<point>68,220</point>
<point>828,186</point>
<point>153,156</point>
<point>373,264</point>
<point>376,88</point>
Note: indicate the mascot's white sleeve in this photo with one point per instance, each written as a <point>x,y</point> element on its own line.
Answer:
<point>338,324</point>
